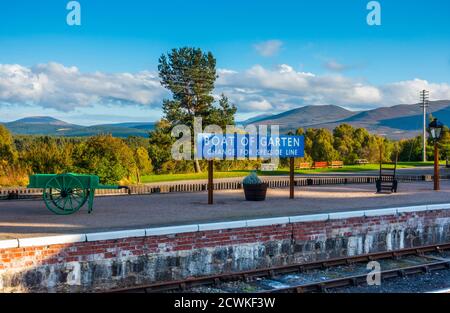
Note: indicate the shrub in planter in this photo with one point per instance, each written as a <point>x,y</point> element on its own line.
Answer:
<point>254,188</point>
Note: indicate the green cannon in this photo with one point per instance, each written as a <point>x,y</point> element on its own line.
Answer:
<point>65,194</point>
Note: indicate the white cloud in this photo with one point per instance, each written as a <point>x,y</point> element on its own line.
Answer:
<point>255,90</point>
<point>268,48</point>
<point>407,92</point>
<point>285,88</point>
<point>262,105</point>
<point>335,66</point>
<point>64,88</point>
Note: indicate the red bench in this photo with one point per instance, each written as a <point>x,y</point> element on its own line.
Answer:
<point>320,164</point>
<point>337,164</point>
<point>304,166</point>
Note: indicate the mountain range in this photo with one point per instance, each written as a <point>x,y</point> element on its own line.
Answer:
<point>45,125</point>
<point>395,122</point>
<point>399,121</point>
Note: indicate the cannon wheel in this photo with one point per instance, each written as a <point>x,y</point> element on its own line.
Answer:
<point>65,194</point>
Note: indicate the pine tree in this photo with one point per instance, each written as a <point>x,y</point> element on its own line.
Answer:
<point>190,75</point>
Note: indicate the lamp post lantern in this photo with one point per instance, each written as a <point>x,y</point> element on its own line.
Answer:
<point>435,128</point>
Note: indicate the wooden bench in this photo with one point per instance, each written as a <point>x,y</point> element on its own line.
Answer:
<point>320,164</point>
<point>387,181</point>
<point>337,164</point>
<point>361,161</point>
<point>304,166</point>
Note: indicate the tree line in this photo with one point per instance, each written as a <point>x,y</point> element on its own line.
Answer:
<point>113,159</point>
<point>124,161</point>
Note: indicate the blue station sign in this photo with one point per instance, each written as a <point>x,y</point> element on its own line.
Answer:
<point>237,146</point>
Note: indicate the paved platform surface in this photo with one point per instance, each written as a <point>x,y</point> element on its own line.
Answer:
<point>30,218</point>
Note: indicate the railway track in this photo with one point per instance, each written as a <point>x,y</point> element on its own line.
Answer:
<point>428,258</point>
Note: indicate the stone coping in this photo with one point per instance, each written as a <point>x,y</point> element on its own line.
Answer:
<point>173,230</point>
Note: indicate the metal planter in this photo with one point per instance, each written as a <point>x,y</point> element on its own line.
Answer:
<point>256,192</point>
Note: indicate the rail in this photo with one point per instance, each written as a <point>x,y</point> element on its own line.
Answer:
<point>319,286</point>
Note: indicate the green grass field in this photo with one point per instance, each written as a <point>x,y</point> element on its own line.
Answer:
<point>284,171</point>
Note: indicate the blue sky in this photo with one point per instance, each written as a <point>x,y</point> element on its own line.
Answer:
<point>274,55</point>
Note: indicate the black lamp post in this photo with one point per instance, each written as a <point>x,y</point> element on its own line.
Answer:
<point>435,128</point>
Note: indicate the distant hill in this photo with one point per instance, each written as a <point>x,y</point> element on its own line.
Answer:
<point>395,111</point>
<point>396,122</point>
<point>307,116</point>
<point>254,119</point>
<point>41,125</point>
<point>414,122</point>
<point>45,125</point>
<point>399,121</point>
<point>42,120</point>
<point>135,125</point>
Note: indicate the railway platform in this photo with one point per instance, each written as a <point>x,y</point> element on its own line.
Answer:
<point>30,218</point>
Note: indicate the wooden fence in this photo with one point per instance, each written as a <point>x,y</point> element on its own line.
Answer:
<point>282,182</point>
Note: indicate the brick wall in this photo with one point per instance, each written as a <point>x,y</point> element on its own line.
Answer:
<point>94,265</point>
